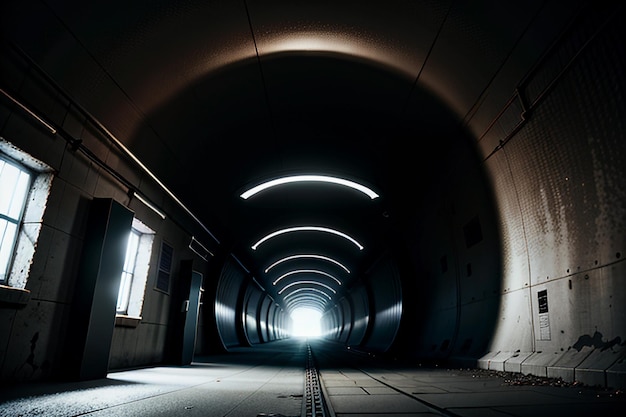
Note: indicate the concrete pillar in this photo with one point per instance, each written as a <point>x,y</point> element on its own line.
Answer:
<point>93,310</point>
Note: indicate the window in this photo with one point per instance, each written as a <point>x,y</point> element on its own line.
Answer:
<point>24,188</point>
<point>123,296</point>
<point>135,273</point>
<point>14,185</point>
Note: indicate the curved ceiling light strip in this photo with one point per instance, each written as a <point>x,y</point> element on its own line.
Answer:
<point>309,305</point>
<point>309,178</point>
<point>306,271</point>
<point>307,229</point>
<point>308,283</point>
<point>307,289</point>
<point>307,299</point>
<point>312,297</point>
<point>312,256</point>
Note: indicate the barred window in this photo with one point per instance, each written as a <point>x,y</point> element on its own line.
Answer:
<point>15,182</point>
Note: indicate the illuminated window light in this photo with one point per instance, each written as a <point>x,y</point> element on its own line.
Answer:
<point>306,271</point>
<point>325,258</point>
<point>307,228</point>
<point>307,283</point>
<point>309,178</point>
<point>307,289</point>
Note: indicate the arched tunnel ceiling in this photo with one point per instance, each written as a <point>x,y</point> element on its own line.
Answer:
<point>217,97</point>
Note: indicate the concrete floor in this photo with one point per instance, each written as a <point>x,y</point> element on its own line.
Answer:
<point>248,382</point>
<point>269,380</point>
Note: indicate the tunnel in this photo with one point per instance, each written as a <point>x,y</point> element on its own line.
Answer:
<point>424,200</point>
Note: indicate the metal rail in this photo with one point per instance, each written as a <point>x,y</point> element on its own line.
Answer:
<point>314,404</point>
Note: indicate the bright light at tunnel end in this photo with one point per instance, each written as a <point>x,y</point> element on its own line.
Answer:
<point>309,178</point>
<point>306,322</point>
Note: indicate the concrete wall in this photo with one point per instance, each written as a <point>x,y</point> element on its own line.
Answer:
<point>230,289</point>
<point>32,336</point>
<point>264,323</point>
<point>453,284</point>
<point>336,322</point>
<point>384,285</point>
<point>559,185</point>
<point>551,157</point>
<point>251,305</point>
<point>360,314</point>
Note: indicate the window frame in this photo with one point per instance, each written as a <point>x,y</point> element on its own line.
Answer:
<point>22,250</point>
<point>128,272</point>
<point>137,269</point>
<point>16,220</point>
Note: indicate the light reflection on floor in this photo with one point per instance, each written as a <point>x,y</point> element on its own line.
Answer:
<point>244,384</point>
